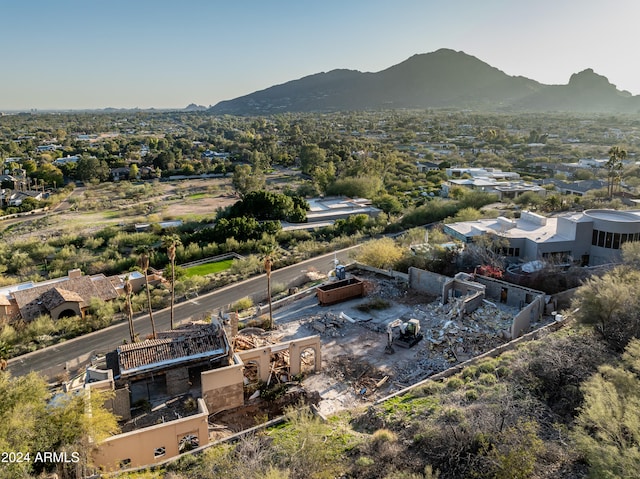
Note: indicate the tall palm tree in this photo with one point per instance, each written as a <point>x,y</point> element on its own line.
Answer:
<point>171,242</point>
<point>128,289</point>
<point>614,167</point>
<point>268,263</point>
<point>143,262</point>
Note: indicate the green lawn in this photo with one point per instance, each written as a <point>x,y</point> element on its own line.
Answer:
<point>209,268</point>
<point>197,196</point>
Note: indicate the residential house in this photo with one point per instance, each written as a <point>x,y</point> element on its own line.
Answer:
<point>196,362</point>
<point>577,188</point>
<point>65,296</point>
<point>592,237</point>
<point>325,211</point>
<point>66,159</point>
<point>505,190</point>
<point>121,173</point>
<point>425,166</point>
<point>70,296</point>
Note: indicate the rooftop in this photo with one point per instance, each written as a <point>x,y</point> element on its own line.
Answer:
<point>193,343</point>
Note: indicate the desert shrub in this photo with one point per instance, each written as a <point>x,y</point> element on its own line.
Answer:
<point>242,304</point>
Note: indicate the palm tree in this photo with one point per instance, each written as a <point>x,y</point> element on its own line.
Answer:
<point>267,267</point>
<point>614,167</point>
<point>171,242</point>
<point>128,289</point>
<point>143,262</point>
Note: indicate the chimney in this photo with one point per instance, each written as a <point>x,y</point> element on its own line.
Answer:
<point>75,273</point>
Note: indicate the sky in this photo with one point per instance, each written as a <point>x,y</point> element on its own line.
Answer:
<point>79,54</point>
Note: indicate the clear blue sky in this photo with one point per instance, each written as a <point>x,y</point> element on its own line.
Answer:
<point>69,54</point>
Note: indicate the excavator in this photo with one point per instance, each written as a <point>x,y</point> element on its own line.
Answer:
<point>408,337</point>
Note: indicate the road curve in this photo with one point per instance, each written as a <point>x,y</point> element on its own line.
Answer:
<point>51,361</point>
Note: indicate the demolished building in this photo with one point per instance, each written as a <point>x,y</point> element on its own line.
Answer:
<point>165,389</point>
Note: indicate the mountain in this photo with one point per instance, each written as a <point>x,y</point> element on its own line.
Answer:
<point>441,79</point>
<point>194,107</point>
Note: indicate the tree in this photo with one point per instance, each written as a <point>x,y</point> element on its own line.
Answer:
<point>529,199</point>
<point>608,427</point>
<point>30,422</point>
<point>90,168</point>
<point>381,253</point>
<point>171,242</point>
<point>50,174</point>
<point>134,171</point>
<point>267,205</point>
<point>245,180</point>
<point>128,290</point>
<point>311,157</point>
<point>614,168</point>
<point>388,203</point>
<point>267,268</point>
<point>143,262</point>
<point>610,304</point>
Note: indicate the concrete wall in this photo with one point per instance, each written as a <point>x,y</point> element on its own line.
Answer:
<point>458,288</point>
<point>517,296</point>
<point>426,281</point>
<point>222,388</point>
<point>387,272</point>
<point>530,313</point>
<point>137,448</point>
<point>296,349</point>
<point>473,302</point>
<point>262,356</point>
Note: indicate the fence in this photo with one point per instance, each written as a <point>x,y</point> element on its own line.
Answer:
<point>212,259</point>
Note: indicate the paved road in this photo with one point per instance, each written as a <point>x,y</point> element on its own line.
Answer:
<point>52,360</point>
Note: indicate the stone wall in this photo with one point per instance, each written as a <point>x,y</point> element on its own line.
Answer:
<point>222,388</point>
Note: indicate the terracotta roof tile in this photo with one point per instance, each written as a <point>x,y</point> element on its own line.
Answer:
<point>31,302</point>
<point>177,346</point>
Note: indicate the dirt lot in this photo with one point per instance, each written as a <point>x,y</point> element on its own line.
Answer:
<point>356,368</point>
<point>185,199</point>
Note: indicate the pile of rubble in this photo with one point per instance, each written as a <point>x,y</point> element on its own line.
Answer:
<point>250,338</point>
<point>329,324</point>
<point>362,377</point>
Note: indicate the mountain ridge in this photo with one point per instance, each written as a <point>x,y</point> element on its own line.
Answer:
<point>444,78</point>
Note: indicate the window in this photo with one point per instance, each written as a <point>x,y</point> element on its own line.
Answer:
<point>159,452</point>
<point>608,240</point>
<point>616,241</point>
<point>125,463</point>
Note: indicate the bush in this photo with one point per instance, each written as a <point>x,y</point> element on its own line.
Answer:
<point>242,304</point>
<point>385,435</point>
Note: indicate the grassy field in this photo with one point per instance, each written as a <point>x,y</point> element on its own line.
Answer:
<point>197,196</point>
<point>209,268</point>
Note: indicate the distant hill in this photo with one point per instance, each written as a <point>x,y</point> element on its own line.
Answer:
<point>194,107</point>
<point>441,79</point>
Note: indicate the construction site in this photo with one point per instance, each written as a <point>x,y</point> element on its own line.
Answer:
<point>339,345</point>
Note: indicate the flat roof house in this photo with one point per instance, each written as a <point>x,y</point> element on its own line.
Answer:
<point>592,237</point>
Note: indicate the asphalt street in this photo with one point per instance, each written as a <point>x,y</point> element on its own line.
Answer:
<point>52,360</point>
